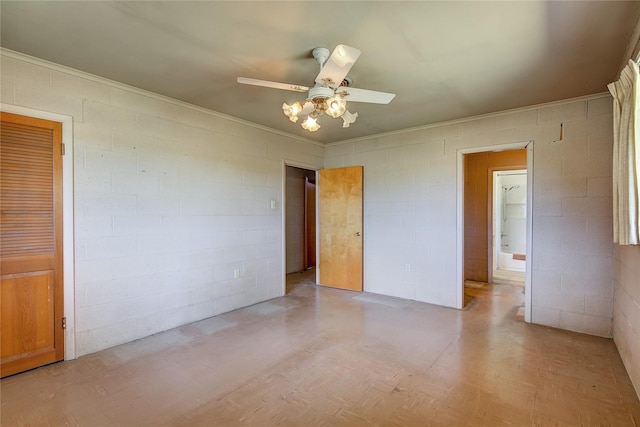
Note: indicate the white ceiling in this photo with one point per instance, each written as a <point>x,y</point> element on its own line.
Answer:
<point>444,60</point>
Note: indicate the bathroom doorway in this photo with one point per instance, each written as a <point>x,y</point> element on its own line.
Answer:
<point>509,237</point>
<point>475,216</point>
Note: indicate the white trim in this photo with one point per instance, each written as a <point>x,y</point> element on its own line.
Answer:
<point>528,300</point>
<point>300,165</point>
<point>460,229</point>
<point>102,80</point>
<point>68,244</point>
<point>496,198</point>
<point>460,217</point>
<point>471,118</point>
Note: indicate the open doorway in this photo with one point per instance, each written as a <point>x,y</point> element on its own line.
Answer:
<point>300,225</point>
<point>509,248</point>
<point>476,214</point>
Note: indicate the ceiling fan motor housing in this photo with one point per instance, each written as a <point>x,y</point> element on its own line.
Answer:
<point>320,92</point>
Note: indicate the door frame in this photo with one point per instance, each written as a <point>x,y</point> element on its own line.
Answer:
<point>491,220</point>
<point>301,165</point>
<point>460,219</point>
<point>67,218</point>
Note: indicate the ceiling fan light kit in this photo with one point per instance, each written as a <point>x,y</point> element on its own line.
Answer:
<point>331,90</point>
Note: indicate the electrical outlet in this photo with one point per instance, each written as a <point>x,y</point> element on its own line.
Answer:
<point>273,204</point>
<point>407,267</point>
<point>236,273</point>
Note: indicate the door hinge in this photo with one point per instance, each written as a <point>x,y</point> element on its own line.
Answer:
<point>63,150</point>
<point>64,323</point>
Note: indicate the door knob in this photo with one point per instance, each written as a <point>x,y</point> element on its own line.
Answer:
<point>357,233</point>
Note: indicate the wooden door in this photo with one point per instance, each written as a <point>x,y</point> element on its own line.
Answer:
<point>31,290</point>
<point>340,210</point>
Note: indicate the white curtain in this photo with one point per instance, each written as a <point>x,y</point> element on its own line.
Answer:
<point>626,156</point>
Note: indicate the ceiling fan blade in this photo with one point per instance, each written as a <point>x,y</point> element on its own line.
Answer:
<point>353,94</point>
<point>338,64</point>
<point>265,83</point>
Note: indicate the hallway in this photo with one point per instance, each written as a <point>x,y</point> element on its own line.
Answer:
<point>321,356</point>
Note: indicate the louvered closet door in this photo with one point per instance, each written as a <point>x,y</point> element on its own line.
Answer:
<point>31,305</point>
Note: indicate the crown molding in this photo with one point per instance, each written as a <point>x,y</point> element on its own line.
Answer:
<point>115,84</point>
<point>84,75</point>
<point>471,118</point>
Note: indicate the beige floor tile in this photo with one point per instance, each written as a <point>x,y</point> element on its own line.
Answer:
<point>325,357</point>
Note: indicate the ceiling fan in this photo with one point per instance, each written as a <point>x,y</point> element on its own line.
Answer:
<point>331,90</point>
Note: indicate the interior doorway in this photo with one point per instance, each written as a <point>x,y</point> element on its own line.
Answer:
<point>475,242</point>
<point>509,236</point>
<point>300,219</point>
<point>481,171</point>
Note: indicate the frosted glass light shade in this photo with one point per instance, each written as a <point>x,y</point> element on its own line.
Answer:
<point>336,106</point>
<point>311,124</point>
<point>292,110</point>
<point>348,118</point>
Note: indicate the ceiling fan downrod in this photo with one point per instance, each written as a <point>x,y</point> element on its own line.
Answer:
<point>321,54</point>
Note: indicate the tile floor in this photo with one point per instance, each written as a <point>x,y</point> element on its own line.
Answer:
<point>325,357</point>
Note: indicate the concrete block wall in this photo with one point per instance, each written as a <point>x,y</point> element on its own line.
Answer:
<point>169,200</point>
<point>626,312</point>
<point>410,208</point>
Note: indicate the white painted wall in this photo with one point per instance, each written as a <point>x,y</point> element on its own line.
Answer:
<point>410,208</point>
<point>169,200</point>
<point>626,313</point>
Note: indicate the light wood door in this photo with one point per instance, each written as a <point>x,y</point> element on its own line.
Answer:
<point>31,290</point>
<point>340,211</point>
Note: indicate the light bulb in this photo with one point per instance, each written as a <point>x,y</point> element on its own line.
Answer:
<point>311,124</point>
<point>336,106</point>
<point>292,110</point>
<point>296,108</point>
